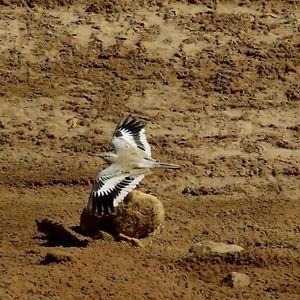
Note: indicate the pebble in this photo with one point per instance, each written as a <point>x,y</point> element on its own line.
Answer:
<point>211,247</point>
<point>105,236</point>
<point>236,280</point>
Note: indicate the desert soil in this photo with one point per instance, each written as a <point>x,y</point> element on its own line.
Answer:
<point>218,83</point>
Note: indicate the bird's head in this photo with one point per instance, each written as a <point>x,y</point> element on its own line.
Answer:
<point>107,156</point>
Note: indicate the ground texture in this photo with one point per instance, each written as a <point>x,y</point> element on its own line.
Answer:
<point>218,84</point>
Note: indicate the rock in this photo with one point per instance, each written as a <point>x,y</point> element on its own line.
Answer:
<point>139,215</point>
<point>134,242</point>
<point>57,256</point>
<point>236,280</point>
<point>292,68</point>
<point>73,122</point>
<point>91,223</point>
<point>105,236</point>
<point>211,247</point>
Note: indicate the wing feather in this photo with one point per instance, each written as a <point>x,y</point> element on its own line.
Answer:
<point>127,188</point>
<point>130,131</point>
<point>108,191</point>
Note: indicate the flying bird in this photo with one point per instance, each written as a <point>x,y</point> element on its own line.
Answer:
<point>126,167</point>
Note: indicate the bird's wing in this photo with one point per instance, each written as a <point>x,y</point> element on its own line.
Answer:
<point>130,131</point>
<point>110,188</point>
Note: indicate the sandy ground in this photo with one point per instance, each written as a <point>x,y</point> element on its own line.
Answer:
<point>219,86</point>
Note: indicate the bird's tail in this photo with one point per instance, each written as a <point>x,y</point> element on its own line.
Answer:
<point>166,166</point>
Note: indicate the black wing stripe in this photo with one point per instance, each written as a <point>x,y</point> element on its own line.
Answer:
<point>137,139</point>
<point>98,184</point>
<point>131,123</point>
<point>105,203</point>
<point>132,130</point>
<point>138,142</point>
<point>133,127</point>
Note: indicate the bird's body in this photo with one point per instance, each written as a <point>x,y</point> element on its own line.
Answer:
<point>127,166</point>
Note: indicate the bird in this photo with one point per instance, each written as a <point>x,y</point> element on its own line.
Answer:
<point>127,166</point>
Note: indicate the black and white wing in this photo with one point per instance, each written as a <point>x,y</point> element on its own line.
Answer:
<point>110,188</point>
<point>130,131</point>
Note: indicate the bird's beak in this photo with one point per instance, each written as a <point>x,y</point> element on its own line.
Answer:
<point>95,154</point>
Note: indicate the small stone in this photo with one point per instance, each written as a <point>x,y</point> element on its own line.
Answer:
<point>73,122</point>
<point>57,256</point>
<point>50,135</point>
<point>291,68</point>
<point>211,247</point>
<point>134,242</point>
<point>236,280</point>
<point>105,236</point>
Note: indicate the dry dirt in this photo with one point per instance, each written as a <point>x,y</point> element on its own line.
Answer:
<point>218,83</point>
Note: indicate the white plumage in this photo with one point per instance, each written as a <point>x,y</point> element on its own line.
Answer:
<point>127,166</point>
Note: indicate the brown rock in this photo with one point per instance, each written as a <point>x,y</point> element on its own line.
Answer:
<point>236,280</point>
<point>139,215</point>
<point>103,235</point>
<point>90,223</point>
